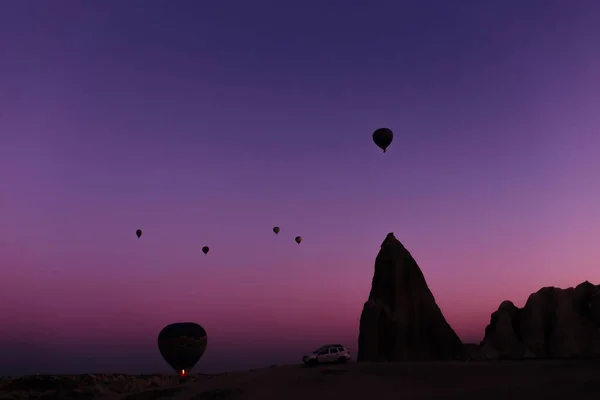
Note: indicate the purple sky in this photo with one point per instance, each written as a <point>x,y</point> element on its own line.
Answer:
<point>207,123</point>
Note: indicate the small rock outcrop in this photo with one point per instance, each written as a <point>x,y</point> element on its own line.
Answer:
<point>401,320</point>
<point>554,323</point>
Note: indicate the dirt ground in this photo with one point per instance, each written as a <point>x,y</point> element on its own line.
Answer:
<point>372,381</point>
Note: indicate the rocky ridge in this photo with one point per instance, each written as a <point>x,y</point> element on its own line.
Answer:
<point>555,323</point>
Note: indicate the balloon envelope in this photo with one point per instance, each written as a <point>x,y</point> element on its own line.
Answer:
<point>383,138</point>
<point>205,249</point>
<point>298,239</point>
<point>138,233</point>
<point>182,345</point>
<point>276,230</point>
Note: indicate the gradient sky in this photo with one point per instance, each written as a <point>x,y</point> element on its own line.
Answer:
<point>209,122</point>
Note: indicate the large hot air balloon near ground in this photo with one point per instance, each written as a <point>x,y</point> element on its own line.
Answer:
<point>383,138</point>
<point>276,229</point>
<point>298,239</point>
<point>182,345</point>
<point>138,233</point>
<point>205,250</point>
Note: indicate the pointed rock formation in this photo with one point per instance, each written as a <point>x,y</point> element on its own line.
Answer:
<point>555,323</point>
<point>401,320</point>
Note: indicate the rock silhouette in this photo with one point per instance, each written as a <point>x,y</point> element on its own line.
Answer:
<point>401,320</point>
<point>554,323</point>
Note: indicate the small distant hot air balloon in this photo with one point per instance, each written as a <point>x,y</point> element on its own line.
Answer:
<point>383,138</point>
<point>138,233</point>
<point>298,239</point>
<point>182,345</point>
<point>205,250</point>
<point>276,230</point>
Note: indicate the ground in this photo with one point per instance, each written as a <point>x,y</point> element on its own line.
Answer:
<point>510,380</point>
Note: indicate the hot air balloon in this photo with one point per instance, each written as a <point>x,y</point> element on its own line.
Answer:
<point>181,345</point>
<point>205,250</point>
<point>298,239</point>
<point>383,138</point>
<point>138,233</point>
<point>276,230</point>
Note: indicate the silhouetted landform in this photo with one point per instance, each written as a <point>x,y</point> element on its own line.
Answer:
<point>499,380</point>
<point>401,320</point>
<point>554,323</point>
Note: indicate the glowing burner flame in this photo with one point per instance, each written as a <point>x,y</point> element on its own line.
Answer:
<point>182,373</point>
